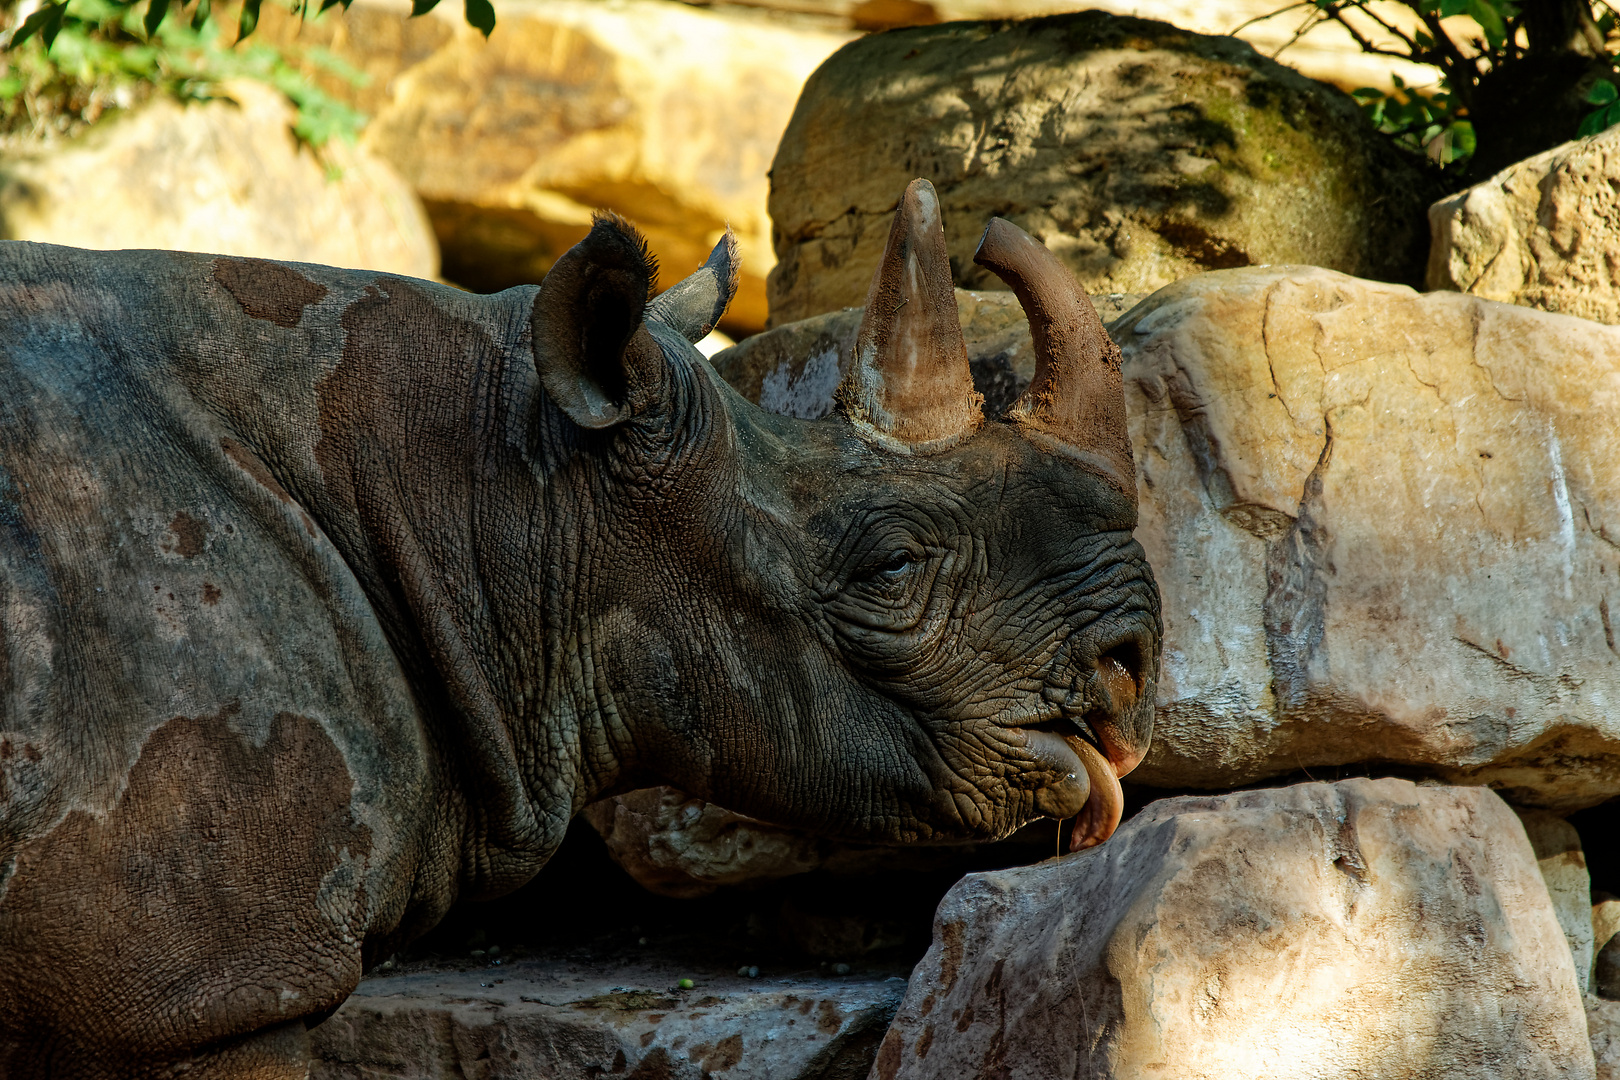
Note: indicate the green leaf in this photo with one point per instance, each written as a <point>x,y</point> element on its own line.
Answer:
<point>155,10</point>
<point>1448,8</point>
<point>199,18</point>
<point>1462,140</point>
<point>1601,93</point>
<point>11,86</point>
<point>1490,20</point>
<point>480,14</point>
<point>46,22</point>
<point>422,7</point>
<point>250,19</point>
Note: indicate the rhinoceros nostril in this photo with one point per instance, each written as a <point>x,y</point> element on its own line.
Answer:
<point>1120,671</point>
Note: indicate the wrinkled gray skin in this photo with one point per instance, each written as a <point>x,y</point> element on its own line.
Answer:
<point>317,612</point>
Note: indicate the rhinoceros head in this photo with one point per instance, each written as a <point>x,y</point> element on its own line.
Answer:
<point>900,623</point>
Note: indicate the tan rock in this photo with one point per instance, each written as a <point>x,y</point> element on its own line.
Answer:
<point>662,112</point>
<point>1557,847</point>
<point>1138,152</point>
<point>1544,233</point>
<point>1385,531</point>
<point>1365,928</point>
<point>1327,52</point>
<point>216,177</point>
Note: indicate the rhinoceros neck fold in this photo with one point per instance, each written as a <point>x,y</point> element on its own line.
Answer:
<point>400,420</point>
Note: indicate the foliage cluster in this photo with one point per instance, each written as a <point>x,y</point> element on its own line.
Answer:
<point>1498,39</point>
<point>68,61</point>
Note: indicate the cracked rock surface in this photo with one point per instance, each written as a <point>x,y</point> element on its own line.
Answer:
<point>1386,532</point>
<point>1369,928</point>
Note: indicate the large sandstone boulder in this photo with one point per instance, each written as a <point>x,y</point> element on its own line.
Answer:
<point>226,177</point>
<point>1138,152</point>
<point>1364,928</point>
<point>1544,233</point>
<point>1383,524</point>
<point>662,112</point>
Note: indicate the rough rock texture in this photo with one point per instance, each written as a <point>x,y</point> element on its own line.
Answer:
<point>1138,152</point>
<point>1385,530</point>
<point>675,845</point>
<point>794,369</point>
<point>1365,928</point>
<point>566,1020</point>
<point>678,846</point>
<point>1563,867</point>
<point>662,112</point>
<point>220,178</point>
<point>1603,1026</point>
<point>1544,233</point>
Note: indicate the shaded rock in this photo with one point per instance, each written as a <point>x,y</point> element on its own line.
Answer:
<point>674,845</point>
<point>1138,152</point>
<point>216,177</point>
<point>794,369</point>
<point>1364,928</point>
<point>1544,233</point>
<point>566,1020</point>
<point>1384,528</point>
<point>1563,867</point>
<point>1605,946</point>
<point>662,112</point>
<point>1603,1026</point>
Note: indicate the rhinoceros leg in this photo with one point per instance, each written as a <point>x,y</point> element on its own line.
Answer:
<point>196,925</point>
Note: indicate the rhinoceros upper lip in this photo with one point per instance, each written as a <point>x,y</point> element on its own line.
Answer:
<point>1069,723</point>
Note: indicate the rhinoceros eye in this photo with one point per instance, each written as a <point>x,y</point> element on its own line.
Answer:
<point>897,563</point>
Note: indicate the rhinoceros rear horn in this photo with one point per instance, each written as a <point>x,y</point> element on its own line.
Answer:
<point>910,385</point>
<point>590,347</point>
<point>1076,401</point>
<point>692,307</point>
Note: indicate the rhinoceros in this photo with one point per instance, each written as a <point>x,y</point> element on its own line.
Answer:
<point>328,597</point>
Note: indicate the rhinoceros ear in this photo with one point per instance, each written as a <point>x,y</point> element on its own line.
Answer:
<point>692,307</point>
<point>590,347</point>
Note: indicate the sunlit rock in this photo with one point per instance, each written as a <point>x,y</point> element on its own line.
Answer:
<point>224,177</point>
<point>1364,928</point>
<point>1542,233</point>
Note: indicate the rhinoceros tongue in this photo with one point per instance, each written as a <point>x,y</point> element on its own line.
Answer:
<point>1100,816</point>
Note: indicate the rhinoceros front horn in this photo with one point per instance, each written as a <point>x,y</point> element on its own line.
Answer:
<point>909,385</point>
<point>1076,401</point>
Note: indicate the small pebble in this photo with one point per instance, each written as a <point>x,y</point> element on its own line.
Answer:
<point>749,970</point>
<point>494,950</point>
<point>479,953</point>
<point>641,941</point>
<point>496,961</point>
<point>840,969</point>
<point>685,984</point>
